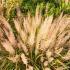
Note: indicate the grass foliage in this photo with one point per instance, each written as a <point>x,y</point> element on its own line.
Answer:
<point>38,42</point>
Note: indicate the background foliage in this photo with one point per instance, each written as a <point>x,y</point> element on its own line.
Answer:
<point>52,6</point>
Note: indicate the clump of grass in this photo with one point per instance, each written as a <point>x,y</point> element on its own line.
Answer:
<point>38,43</point>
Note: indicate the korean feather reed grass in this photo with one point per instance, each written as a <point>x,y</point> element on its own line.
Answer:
<point>40,43</point>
